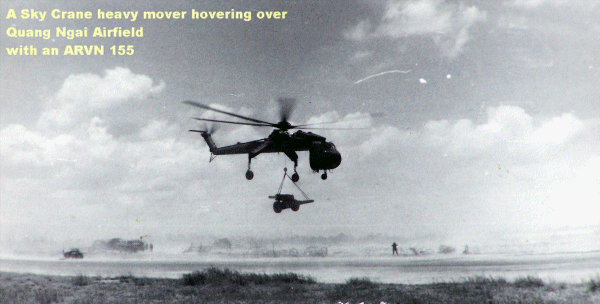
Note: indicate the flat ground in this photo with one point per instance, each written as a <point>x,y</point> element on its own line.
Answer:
<point>224,286</point>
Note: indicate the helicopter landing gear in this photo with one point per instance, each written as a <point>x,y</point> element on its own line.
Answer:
<point>295,176</point>
<point>294,157</point>
<point>324,176</point>
<point>249,173</point>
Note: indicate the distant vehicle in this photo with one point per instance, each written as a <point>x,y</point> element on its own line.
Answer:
<point>120,245</point>
<point>73,254</point>
<point>126,246</point>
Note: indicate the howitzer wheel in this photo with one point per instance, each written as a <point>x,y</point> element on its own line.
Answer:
<point>294,206</point>
<point>277,207</point>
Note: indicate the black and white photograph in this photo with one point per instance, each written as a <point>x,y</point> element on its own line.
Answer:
<point>283,151</point>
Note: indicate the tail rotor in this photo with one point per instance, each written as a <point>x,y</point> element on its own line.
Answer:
<point>209,128</point>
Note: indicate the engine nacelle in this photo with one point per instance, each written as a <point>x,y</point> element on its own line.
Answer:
<point>324,156</point>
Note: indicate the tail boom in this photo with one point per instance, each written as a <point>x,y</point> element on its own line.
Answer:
<point>208,139</point>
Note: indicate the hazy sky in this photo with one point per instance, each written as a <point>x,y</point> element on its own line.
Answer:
<point>492,118</point>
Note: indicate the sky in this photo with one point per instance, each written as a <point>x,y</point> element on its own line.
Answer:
<point>474,117</point>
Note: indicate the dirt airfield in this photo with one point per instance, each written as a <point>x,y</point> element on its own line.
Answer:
<point>214,285</point>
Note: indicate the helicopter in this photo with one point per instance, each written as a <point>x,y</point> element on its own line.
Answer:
<point>323,155</point>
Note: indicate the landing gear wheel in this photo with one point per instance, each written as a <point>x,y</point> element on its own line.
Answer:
<point>295,207</point>
<point>324,176</point>
<point>249,175</point>
<point>295,177</point>
<point>277,207</point>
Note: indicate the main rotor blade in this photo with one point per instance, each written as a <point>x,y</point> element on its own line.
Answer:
<point>234,122</point>
<point>328,122</point>
<point>199,105</point>
<point>334,128</point>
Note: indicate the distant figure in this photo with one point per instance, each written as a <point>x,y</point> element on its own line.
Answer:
<point>394,249</point>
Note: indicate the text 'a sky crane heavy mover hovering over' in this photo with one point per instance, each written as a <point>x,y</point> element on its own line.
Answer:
<point>322,154</point>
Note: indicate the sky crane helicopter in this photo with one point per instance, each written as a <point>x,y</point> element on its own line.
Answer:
<point>323,155</point>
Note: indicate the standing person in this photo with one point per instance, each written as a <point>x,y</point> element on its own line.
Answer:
<point>394,249</point>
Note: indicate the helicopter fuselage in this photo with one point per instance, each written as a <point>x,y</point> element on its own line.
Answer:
<point>323,155</point>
